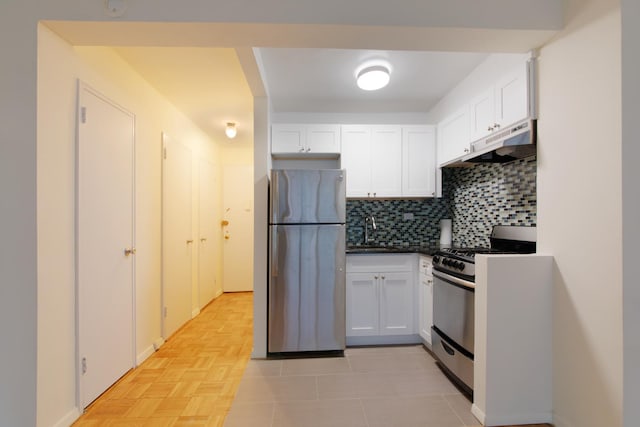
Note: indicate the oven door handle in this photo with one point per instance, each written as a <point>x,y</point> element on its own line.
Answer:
<point>454,280</point>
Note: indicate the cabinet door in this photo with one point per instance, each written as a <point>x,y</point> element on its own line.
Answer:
<point>511,98</point>
<point>418,161</point>
<point>482,115</point>
<point>356,159</point>
<point>287,139</point>
<point>425,298</point>
<point>426,306</point>
<point>386,161</point>
<point>362,304</point>
<point>453,136</point>
<point>324,139</point>
<point>396,303</point>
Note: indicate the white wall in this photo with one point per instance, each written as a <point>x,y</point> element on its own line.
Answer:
<point>59,65</point>
<point>580,212</point>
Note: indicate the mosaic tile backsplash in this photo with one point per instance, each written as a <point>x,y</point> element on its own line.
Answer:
<point>475,198</point>
<point>392,228</point>
<point>490,194</point>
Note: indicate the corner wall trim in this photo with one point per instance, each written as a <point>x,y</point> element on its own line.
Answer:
<point>144,355</point>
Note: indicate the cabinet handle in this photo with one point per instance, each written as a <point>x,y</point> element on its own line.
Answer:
<point>368,194</point>
<point>204,239</point>
<point>308,149</point>
<point>374,194</point>
<point>490,128</point>
<point>382,277</point>
<point>301,149</point>
<point>375,277</point>
<point>496,125</point>
<point>189,241</point>
<point>466,150</point>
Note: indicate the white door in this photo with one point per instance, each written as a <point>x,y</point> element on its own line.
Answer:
<point>105,243</point>
<point>177,238</point>
<point>208,235</point>
<point>286,139</point>
<point>396,302</point>
<point>511,98</point>
<point>238,231</point>
<point>453,136</point>
<point>356,159</point>
<point>323,139</point>
<point>418,161</point>
<point>482,115</point>
<point>362,304</point>
<point>386,161</point>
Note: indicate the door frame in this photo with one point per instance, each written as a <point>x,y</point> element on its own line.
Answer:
<point>82,87</point>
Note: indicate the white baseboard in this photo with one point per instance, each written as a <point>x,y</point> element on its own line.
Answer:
<point>218,294</point>
<point>69,418</point>
<point>158,342</point>
<point>144,355</point>
<point>477,412</point>
<point>195,312</point>
<point>384,340</point>
<point>515,419</point>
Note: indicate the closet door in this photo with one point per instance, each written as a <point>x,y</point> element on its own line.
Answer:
<point>208,234</point>
<point>177,237</point>
<point>105,243</point>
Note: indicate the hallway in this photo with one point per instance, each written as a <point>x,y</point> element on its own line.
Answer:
<point>191,380</point>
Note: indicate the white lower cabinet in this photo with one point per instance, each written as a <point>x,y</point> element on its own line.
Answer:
<point>380,292</point>
<point>425,298</point>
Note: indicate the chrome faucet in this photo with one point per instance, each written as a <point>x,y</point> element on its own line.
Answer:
<point>369,219</point>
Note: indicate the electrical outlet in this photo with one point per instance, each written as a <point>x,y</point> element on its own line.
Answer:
<point>407,216</point>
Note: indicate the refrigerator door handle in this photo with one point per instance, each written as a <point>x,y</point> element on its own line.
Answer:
<point>273,253</point>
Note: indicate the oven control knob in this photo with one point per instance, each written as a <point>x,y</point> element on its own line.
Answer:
<point>460,265</point>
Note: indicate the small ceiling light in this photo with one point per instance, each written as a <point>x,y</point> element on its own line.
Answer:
<point>231,130</point>
<point>373,78</point>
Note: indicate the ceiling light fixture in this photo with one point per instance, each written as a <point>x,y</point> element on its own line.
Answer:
<point>373,77</point>
<point>231,130</point>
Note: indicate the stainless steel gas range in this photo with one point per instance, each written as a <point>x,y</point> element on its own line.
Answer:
<point>454,299</point>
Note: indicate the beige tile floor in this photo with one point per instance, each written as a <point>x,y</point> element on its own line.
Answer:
<point>369,387</point>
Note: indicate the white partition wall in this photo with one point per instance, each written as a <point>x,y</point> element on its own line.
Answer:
<point>513,336</point>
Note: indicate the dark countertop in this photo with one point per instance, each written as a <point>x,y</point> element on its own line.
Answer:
<point>373,249</point>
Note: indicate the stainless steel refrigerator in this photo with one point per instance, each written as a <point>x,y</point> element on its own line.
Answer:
<point>306,261</point>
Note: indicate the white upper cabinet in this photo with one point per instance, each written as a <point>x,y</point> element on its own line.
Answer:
<point>418,161</point>
<point>356,159</point>
<point>453,136</point>
<point>501,105</point>
<point>389,160</point>
<point>482,116</point>
<point>492,104</point>
<point>386,161</point>
<point>512,98</point>
<point>300,140</point>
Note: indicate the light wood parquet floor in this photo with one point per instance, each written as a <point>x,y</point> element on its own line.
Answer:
<point>191,380</point>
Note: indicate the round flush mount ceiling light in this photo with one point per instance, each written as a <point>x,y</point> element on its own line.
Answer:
<point>231,130</point>
<point>373,77</point>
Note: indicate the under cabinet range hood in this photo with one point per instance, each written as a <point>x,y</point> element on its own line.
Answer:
<point>515,142</point>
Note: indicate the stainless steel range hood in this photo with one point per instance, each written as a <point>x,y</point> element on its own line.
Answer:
<point>515,142</point>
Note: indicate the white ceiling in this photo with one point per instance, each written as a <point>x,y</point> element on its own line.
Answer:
<point>323,80</point>
<point>207,84</point>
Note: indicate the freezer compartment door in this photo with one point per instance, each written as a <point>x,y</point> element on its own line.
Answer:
<point>307,196</point>
<point>306,288</point>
